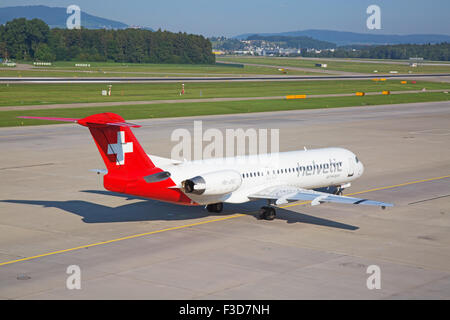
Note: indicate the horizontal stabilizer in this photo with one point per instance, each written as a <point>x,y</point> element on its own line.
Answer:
<point>51,119</point>
<point>108,119</point>
<point>124,124</point>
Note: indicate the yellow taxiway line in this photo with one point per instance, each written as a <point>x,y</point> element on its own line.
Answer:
<point>202,223</point>
<point>121,239</point>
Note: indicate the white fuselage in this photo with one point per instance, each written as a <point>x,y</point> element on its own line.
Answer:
<point>306,169</point>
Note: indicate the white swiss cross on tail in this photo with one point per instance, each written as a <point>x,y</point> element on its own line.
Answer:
<point>120,148</point>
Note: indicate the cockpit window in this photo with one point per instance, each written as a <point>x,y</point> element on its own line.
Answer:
<point>356,159</point>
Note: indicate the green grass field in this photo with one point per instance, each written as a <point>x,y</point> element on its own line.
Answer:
<point>40,94</point>
<point>130,112</point>
<point>110,69</point>
<point>348,66</point>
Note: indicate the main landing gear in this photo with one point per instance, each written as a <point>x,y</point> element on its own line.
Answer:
<point>267,213</point>
<point>215,207</point>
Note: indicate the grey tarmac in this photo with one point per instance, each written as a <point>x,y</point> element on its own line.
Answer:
<point>51,202</point>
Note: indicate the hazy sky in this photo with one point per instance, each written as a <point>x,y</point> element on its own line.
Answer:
<point>233,17</point>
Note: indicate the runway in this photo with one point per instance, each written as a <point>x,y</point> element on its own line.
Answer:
<point>55,213</point>
<point>215,79</point>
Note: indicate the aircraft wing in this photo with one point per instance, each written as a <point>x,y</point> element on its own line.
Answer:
<point>285,194</point>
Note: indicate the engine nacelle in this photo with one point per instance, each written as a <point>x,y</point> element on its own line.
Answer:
<point>214,183</point>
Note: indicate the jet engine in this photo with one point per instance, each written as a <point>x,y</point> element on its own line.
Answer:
<point>213,183</point>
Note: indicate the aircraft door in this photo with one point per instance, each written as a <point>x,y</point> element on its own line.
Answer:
<point>351,167</point>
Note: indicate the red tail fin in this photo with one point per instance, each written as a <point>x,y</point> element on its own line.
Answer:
<point>126,161</point>
<point>123,155</point>
<point>119,148</point>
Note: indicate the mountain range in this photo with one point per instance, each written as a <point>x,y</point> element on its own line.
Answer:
<point>56,17</point>
<point>342,38</point>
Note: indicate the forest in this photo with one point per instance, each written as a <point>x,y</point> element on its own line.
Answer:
<point>437,52</point>
<point>33,40</point>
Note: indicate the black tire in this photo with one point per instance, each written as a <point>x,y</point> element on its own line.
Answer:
<point>267,213</point>
<point>271,214</point>
<point>218,207</point>
<point>215,207</point>
<point>263,213</point>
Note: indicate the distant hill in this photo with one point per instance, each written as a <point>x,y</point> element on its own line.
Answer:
<point>57,17</point>
<point>348,38</point>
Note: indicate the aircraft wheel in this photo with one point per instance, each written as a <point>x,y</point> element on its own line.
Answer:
<point>263,213</point>
<point>271,214</point>
<point>267,213</point>
<point>216,207</point>
<point>219,207</point>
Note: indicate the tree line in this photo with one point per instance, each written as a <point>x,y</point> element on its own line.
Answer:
<point>33,40</point>
<point>437,52</point>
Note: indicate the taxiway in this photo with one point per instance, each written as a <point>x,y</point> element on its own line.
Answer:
<point>54,213</point>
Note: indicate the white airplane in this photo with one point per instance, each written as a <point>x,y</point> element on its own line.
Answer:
<point>294,176</point>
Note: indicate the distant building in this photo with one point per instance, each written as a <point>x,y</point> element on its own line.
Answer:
<point>289,51</point>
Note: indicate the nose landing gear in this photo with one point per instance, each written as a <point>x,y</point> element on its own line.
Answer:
<point>339,191</point>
